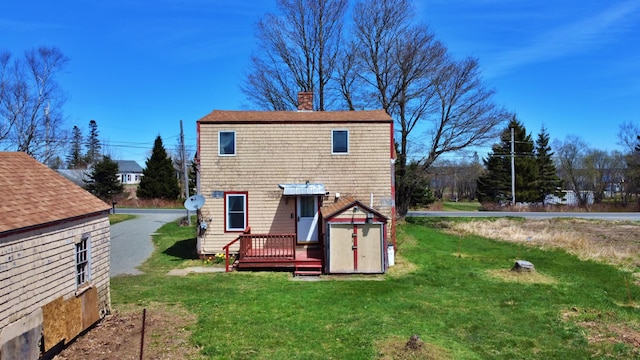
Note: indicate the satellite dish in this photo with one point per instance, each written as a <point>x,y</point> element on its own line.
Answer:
<point>195,202</point>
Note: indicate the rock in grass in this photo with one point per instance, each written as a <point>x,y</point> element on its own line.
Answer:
<point>523,266</point>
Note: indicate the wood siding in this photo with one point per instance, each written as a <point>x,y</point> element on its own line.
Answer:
<point>38,266</point>
<point>281,153</point>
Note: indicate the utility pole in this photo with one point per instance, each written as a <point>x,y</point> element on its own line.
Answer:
<point>513,170</point>
<point>184,170</point>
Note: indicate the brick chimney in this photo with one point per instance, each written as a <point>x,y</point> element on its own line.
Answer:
<point>305,101</point>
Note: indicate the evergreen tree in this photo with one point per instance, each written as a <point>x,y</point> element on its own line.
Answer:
<point>548,182</point>
<point>495,184</point>
<point>75,159</point>
<point>103,181</point>
<point>421,194</point>
<point>159,180</point>
<point>92,143</point>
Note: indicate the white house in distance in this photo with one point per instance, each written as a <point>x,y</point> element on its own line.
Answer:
<point>54,258</point>
<point>129,172</point>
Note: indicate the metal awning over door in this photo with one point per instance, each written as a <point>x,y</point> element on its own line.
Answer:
<point>302,189</point>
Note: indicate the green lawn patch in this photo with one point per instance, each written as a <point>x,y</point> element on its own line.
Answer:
<point>460,206</point>
<point>456,294</point>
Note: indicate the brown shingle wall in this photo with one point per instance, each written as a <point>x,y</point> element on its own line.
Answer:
<point>37,267</point>
<point>268,155</point>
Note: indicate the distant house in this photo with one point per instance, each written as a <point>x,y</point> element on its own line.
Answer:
<point>77,176</point>
<point>268,178</point>
<point>54,258</point>
<point>129,172</point>
<point>570,198</point>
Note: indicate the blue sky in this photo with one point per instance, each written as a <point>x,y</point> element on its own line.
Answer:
<point>139,67</point>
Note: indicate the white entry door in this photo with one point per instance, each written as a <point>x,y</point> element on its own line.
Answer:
<point>307,219</point>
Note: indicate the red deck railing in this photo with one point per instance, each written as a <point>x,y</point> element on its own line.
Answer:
<point>272,246</point>
<point>263,246</point>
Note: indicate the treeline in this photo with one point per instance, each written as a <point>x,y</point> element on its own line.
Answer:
<point>544,172</point>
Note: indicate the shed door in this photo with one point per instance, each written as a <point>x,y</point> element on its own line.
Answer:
<point>362,253</point>
<point>370,258</point>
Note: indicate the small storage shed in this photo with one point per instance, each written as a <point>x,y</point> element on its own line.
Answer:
<point>355,238</point>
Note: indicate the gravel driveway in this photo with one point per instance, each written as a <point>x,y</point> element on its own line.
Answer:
<point>131,242</point>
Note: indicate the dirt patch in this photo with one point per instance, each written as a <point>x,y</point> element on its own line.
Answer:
<point>413,348</point>
<point>533,277</point>
<point>612,334</point>
<point>118,336</point>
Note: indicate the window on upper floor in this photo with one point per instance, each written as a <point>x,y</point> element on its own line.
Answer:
<point>83,260</point>
<point>339,141</point>
<point>235,207</point>
<point>226,143</point>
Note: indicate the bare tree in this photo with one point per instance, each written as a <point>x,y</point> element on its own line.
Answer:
<point>628,135</point>
<point>629,138</point>
<point>411,76</point>
<point>570,156</point>
<point>31,103</point>
<point>298,51</point>
<point>390,62</point>
<point>598,170</point>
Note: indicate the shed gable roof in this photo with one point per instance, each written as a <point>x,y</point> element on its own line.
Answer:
<point>250,117</point>
<point>329,211</point>
<point>37,195</point>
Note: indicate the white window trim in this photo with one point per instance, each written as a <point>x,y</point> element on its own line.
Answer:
<point>348,141</point>
<point>235,143</point>
<point>227,213</point>
<point>87,263</point>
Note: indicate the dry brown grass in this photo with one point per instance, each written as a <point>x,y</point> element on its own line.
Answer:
<point>150,203</point>
<point>616,243</point>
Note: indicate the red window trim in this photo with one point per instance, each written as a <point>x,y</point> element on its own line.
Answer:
<point>246,210</point>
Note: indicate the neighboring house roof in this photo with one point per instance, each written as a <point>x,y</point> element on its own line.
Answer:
<point>128,166</point>
<point>229,116</point>
<point>36,195</point>
<point>77,176</point>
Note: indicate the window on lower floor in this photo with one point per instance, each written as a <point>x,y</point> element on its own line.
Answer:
<point>83,260</point>
<point>235,207</point>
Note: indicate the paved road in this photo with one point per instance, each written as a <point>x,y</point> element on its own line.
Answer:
<point>631,216</point>
<point>131,241</point>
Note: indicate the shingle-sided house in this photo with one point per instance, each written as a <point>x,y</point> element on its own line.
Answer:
<point>54,258</point>
<point>129,172</point>
<point>266,177</point>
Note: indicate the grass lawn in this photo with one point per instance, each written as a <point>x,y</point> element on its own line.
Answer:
<point>456,293</point>
<point>116,218</point>
<point>461,206</point>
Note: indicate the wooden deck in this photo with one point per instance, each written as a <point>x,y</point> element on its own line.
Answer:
<point>277,251</point>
